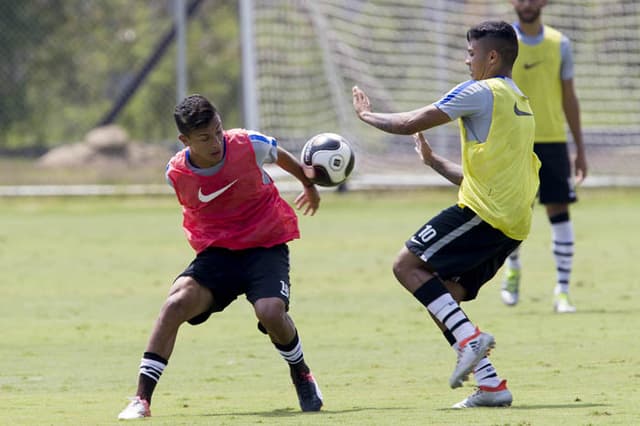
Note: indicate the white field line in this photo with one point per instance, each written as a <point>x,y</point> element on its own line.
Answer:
<point>369,182</point>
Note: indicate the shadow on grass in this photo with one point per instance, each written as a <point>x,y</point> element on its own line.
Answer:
<point>579,312</point>
<point>561,406</point>
<point>538,406</point>
<point>292,412</point>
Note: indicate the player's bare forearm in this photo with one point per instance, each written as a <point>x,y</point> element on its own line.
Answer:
<point>399,123</point>
<point>405,123</point>
<point>291,165</point>
<point>571,108</point>
<point>309,199</point>
<point>572,114</point>
<point>396,123</point>
<point>450,170</point>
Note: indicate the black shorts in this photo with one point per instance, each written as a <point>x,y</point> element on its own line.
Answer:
<point>556,182</point>
<point>256,272</point>
<point>458,245</point>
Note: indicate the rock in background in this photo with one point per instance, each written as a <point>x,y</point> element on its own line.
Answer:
<point>107,146</point>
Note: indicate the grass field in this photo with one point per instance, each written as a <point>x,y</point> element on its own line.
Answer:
<point>83,279</point>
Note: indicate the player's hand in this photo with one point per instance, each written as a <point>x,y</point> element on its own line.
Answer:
<point>423,148</point>
<point>361,101</point>
<point>309,199</point>
<point>580,166</point>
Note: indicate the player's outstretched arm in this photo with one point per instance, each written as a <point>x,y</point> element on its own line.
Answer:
<point>571,108</point>
<point>450,170</point>
<point>309,199</point>
<point>400,123</point>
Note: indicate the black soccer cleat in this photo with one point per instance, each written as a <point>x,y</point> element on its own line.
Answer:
<point>309,394</point>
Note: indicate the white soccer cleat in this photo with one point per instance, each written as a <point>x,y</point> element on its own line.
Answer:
<point>470,351</point>
<point>485,396</point>
<point>562,305</point>
<point>137,409</point>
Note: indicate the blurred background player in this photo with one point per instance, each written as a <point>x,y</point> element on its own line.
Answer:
<point>239,226</point>
<point>449,258</point>
<point>544,72</point>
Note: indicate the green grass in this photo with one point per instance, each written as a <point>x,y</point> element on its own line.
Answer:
<point>83,280</point>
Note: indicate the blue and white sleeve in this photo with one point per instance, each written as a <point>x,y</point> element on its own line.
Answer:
<point>166,176</point>
<point>265,147</point>
<point>466,99</point>
<point>566,67</point>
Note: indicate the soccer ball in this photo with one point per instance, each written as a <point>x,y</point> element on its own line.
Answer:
<point>327,159</point>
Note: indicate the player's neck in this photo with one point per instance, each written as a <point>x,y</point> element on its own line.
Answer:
<point>501,73</point>
<point>531,29</point>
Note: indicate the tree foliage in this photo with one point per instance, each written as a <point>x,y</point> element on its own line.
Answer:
<point>66,61</point>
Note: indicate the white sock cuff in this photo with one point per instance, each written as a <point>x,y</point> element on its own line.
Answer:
<point>562,232</point>
<point>293,355</point>
<point>441,306</point>
<point>156,365</point>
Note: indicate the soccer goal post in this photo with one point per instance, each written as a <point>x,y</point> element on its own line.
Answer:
<point>305,55</point>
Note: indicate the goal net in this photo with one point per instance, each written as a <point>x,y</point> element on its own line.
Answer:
<point>407,53</point>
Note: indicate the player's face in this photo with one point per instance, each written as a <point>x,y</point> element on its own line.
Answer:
<point>206,145</point>
<point>478,60</point>
<point>528,11</point>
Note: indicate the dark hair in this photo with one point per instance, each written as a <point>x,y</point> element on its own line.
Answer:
<point>194,112</point>
<point>500,36</point>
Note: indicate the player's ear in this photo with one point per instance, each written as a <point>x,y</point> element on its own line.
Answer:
<point>494,58</point>
<point>183,139</point>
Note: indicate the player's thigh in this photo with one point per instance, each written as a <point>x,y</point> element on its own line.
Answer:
<point>474,278</point>
<point>217,271</point>
<point>265,273</point>
<point>458,241</point>
<point>446,241</point>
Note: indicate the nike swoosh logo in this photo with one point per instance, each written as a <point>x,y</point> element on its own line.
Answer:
<point>531,65</point>
<point>519,111</point>
<point>416,241</point>
<point>208,197</point>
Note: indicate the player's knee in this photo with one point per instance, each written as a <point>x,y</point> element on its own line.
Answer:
<point>183,302</point>
<point>175,309</point>
<point>402,268</point>
<point>397,270</point>
<point>270,311</point>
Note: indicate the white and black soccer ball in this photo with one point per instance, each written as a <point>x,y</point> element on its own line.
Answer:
<point>327,159</point>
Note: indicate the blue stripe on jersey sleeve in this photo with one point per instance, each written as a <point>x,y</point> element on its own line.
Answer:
<point>166,175</point>
<point>254,136</point>
<point>453,93</point>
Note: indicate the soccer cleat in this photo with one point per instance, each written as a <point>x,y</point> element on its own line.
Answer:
<point>510,287</point>
<point>562,305</point>
<point>470,351</point>
<point>309,394</point>
<point>137,409</point>
<point>485,396</point>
